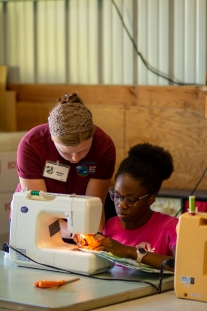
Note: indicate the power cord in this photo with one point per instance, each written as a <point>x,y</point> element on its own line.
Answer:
<point>70,272</point>
<point>170,263</point>
<point>147,65</point>
<point>181,209</point>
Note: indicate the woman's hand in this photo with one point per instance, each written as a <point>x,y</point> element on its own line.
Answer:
<point>99,236</point>
<point>86,239</point>
<point>109,245</point>
<point>83,240</point>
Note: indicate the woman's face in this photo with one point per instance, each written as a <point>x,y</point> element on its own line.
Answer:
<point>74,153</point>
<point>134,212</point>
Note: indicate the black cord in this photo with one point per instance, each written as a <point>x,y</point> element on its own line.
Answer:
<point>199,181</point>
<point>147,65</point>
<point>170,263</point>
<point>181,209</point>
<point>70,272</point>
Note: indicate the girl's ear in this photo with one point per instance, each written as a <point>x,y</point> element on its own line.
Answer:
<point>152,198</point>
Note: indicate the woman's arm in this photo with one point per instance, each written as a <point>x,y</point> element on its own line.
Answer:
<point>99,188</point>
<point>125,251</point>
<point>96,188</point>
<point>151,259</point>
<point>33,184</point>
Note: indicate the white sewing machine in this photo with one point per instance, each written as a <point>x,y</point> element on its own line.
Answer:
<point>35,231</point>
<point>191,257</point>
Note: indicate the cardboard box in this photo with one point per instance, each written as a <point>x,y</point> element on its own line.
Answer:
<point>8,172</point>
<point>5,205</point>
<point>9,141</point>
<point>8,153</point>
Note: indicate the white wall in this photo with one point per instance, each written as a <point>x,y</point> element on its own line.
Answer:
<point>84,41</point>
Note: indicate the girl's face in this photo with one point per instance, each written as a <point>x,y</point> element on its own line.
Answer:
<point>74,153</point>
<point>132,215</point>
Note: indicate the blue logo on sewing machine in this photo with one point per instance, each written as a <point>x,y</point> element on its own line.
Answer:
<point>24,209</point>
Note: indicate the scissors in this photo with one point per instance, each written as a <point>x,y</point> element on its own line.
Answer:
<point>49,284</point>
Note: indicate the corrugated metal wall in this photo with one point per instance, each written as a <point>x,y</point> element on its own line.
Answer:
<point>100,41</point>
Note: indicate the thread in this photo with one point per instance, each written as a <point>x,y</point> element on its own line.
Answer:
<point>191,209</point>
<point>35,192</point>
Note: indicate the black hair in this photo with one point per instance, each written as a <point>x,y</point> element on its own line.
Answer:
<point>149,164</point>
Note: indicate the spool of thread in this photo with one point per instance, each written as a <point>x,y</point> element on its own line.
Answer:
<point>35,192</point>
<point>191,209</point>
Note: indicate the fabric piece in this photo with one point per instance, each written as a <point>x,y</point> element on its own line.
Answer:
<point>125,262</point>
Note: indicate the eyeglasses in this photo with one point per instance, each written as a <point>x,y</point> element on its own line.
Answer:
<point>128,199</point>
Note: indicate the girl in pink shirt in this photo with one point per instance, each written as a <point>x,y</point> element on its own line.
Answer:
<point>137,232</point>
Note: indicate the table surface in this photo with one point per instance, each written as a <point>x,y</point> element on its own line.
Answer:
<point>17,290</point>
<point>165,301</point>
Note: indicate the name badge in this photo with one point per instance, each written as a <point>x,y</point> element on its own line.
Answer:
<point>56,170</point>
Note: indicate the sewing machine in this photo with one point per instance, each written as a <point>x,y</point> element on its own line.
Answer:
<point>35,231</point>
<point>191,257</point>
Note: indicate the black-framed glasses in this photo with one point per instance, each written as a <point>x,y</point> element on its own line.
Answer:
<point>128,199</point>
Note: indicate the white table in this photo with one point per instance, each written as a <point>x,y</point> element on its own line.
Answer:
<point>18,293</point>
<point>162,302</point>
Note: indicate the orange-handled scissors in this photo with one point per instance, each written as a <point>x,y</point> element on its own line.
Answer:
<point>48,284</point>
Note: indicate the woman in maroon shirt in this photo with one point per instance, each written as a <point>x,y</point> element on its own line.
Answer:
<point>67,155</point>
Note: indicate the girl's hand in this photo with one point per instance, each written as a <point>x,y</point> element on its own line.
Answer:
<point>99,236</point>
<point>109,245</point>
<point>83,240</point>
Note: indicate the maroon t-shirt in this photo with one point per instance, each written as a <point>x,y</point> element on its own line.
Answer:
<point>37,147</point>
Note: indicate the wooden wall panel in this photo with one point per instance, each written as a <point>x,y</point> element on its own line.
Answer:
<point>110,94</point>
<point>111,119</point>
<point>30,114</point>
<point>172,117</point>
<point>206,108</point>
<point>181,131</point>
<point>10,112</point>
<point>3,74</point>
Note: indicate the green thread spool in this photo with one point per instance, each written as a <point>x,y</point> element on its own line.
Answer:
<point>35,192</point>
<point>191,205</point>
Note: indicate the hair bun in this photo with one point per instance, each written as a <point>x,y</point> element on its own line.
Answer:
<point>68,99</point>
<point>73,98</point>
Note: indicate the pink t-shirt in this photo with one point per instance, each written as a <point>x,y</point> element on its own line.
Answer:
<point>158,235</point>
<point>37,147</point>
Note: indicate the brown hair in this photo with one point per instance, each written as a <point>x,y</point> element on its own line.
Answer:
<point>70,122</point>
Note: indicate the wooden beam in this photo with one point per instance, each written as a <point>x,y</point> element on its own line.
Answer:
<point>206,108</point>
<point>3,75</point>
<point>10,112</point>
<point>109,94</point>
